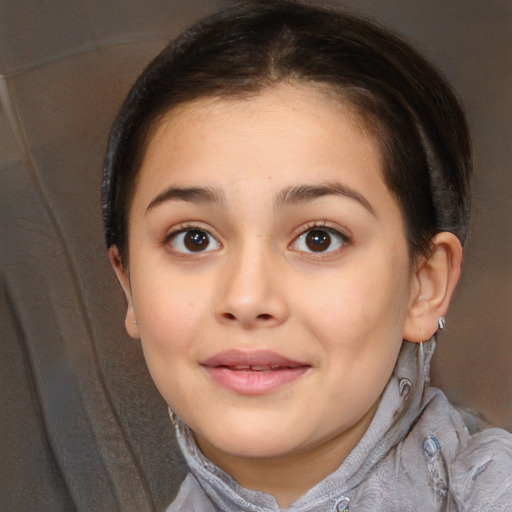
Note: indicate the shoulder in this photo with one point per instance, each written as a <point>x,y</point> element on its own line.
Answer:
<point>481,473</point>
<point>478,467</point>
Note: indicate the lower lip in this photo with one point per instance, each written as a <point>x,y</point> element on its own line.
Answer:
<point>252,382</point>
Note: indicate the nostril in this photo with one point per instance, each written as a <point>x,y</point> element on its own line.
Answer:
<point>263,317</point>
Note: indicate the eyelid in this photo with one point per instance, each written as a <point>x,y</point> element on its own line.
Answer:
<point>185,226</point>
<point>322,224</point>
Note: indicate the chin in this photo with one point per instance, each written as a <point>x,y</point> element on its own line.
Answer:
<point>255,448</point>
<point>249,441</point>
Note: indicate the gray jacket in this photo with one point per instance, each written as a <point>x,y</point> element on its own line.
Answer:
<point>417,455</point>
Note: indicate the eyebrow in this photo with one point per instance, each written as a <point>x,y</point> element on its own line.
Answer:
<point>301,194</point>
<point>189,194</point>
<point>298,194</point>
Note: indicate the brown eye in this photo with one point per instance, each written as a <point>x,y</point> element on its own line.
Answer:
<point>193,241</point>
<point>196,241</point>
<point>319,240</point>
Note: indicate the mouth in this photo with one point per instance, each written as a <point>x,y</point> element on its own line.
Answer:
<point>256,368</point>
<point>253,373</point>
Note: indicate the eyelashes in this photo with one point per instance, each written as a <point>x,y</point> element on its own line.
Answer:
<point>314,239</point>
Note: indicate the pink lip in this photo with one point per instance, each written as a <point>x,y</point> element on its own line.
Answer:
<point>252,373</point>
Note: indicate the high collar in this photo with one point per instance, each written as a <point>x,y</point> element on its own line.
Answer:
<point>399,407</point>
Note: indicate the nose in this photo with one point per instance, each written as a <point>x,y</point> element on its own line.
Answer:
<point>250,293</point>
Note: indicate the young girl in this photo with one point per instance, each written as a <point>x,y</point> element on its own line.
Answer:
<point>286,196</point>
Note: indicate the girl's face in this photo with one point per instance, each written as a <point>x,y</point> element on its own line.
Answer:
<point>269,272</point>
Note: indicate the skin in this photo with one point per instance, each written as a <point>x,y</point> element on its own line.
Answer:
<point>343,311</point>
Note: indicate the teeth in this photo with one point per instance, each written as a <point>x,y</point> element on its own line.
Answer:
<point>257,368</point>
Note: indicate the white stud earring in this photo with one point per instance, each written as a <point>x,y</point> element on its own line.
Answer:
<point>441,323</point>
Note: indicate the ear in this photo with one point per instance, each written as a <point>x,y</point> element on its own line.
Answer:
<point>434,282</point>
<point>123,277</point>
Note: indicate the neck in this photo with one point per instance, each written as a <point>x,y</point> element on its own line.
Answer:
<point>289,476</point>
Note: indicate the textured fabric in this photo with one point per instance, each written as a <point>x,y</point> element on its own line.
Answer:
<point>417,455</point>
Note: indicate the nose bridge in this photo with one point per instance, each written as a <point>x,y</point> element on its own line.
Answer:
<point>249,291</point>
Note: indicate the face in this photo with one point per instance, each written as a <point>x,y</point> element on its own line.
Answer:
<point>268,272</point>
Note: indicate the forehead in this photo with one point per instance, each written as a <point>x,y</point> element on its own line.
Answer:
<point>273,125</point>
<point>284,136</point>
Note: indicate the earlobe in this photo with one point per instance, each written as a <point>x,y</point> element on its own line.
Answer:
<point>123,277</point>
<point>434,282</point>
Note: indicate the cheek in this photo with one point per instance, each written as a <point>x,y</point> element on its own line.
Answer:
<point>171,314</point>
<point>172,328</point>
<point>365,303</point>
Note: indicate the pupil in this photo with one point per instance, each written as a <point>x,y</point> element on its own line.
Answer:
<point>196,240</point>
<point>317,240</point>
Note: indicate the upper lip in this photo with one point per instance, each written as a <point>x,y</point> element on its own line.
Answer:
<point>258,359</point>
